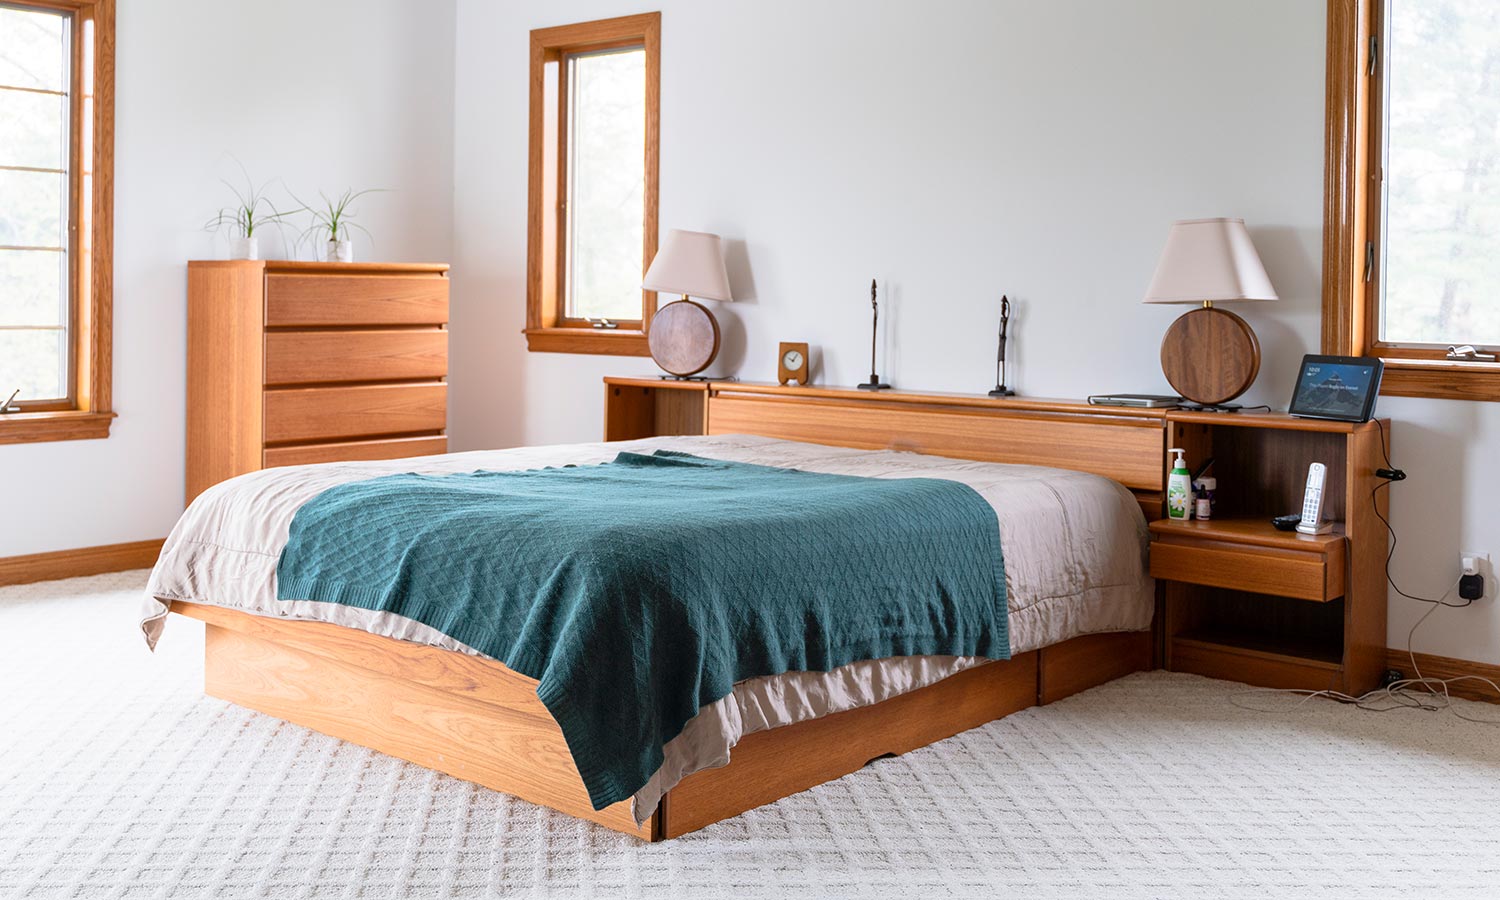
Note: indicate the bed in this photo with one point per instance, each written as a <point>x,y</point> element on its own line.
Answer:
<point>1080,606</point>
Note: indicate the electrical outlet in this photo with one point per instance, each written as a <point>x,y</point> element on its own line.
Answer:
<point>1473,562</point>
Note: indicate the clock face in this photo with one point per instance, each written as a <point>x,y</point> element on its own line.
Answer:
<point>792,359</point>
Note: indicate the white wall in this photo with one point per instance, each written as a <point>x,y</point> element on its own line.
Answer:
<point>326,95</point>
<point>953,150</point>
<point>956,151</point>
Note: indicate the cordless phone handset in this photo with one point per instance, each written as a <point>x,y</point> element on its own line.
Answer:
<point>1312,502</point>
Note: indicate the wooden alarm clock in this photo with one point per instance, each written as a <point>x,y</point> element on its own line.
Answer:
<point>792,363</point>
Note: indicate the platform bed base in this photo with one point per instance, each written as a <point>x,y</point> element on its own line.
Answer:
<point>476,720</point>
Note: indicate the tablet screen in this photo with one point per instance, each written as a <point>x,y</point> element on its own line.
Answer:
<point>1336,387</point>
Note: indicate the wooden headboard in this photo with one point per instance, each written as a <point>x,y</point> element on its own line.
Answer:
<point>1127,445</point>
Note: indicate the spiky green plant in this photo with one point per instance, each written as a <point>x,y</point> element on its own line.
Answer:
<point>335,217</point>
<point>252,210</point>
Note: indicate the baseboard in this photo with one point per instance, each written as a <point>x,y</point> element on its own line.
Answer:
<point>83,561</point>
<point>1448,667</point>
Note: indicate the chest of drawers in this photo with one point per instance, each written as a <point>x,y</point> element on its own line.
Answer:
<point>295,362</point>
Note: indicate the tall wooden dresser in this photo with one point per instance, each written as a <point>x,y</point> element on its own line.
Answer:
<point>300,362</point>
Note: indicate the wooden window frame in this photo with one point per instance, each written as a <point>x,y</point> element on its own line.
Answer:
<point>1352,182</point>
<point>547,327</point>
<point>86,413</point>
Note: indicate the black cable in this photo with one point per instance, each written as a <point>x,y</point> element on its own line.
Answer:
<point>1391,553</point>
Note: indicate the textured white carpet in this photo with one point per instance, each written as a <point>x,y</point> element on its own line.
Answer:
<point>119,779</point>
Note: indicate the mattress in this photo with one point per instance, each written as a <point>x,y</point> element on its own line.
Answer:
<point>1074,544</point>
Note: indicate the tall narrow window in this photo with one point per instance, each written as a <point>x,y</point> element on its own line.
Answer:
<point>36,314</point>
<point>594,116</point>
<point>1440,283</point>
<point>56,116</point>
<point>1411,272</point>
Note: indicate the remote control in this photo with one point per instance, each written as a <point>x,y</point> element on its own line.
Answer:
<point>1312,502</point>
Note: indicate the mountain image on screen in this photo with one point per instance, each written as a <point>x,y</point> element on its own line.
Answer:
<point>1332,395</point>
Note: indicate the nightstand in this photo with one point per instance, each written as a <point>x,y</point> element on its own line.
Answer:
<point>653,407</point>
<point>1246,602</point>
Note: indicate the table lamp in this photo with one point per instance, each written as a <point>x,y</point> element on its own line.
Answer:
<point>1210,355</point>
<point>684,336</point>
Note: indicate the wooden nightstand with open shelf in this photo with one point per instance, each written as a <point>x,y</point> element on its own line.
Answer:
<point>653,407</point>
<point>1246,602</point>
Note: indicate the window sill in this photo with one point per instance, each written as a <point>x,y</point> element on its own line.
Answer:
<point>38,427</point>
<point>597,341</point>
<point>1441,380</point>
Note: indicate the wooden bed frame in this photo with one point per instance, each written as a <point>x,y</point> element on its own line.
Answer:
<point>477,720</point>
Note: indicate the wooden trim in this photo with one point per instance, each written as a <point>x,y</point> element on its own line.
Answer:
<point>98,378</point>
<point>79,562</point>
<point>1346,177</point>
<point>548,329</point>
<point>1442,380</point>
<point>64,425</point>
<point>1448,667</point>
<point>597,341</point>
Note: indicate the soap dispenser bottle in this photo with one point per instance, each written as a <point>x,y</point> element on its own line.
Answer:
<point>1179,487</point>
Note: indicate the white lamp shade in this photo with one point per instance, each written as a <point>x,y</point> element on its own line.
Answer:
<point>1209,259</point>
<point>690,263</point>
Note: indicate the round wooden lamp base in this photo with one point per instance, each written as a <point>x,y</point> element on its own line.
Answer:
<point>684,338</point>
<point>1210,356</point>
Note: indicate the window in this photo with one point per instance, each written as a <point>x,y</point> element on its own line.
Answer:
<point>1414,115</point>
<point>592,191</point>
<point>56,149</point>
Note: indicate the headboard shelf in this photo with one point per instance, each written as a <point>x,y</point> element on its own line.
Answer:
<point>1058,433</point>
<point>941,398</point>
<point>1127,445</point>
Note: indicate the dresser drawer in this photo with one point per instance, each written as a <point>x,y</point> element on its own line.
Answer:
<point>1285,573</point>
<point>302,357</point>
<point>307,414</point>
<point>348,451</point>
<point>356,300</point>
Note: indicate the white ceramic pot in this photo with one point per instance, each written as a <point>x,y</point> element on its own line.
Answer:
<point>244,248</point>
<point>341,251</point>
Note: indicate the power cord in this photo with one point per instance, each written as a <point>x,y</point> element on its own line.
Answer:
<point>1389,475</point>
<point>1403,693</point>
<point>1419,692</point>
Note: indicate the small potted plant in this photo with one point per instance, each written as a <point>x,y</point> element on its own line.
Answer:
<point>334,222</point>
<point>252,211</point>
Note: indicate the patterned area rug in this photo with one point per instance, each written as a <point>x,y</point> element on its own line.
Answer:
<point>119,779</point>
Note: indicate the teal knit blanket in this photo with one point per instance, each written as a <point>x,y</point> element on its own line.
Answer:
<point>639,590</point>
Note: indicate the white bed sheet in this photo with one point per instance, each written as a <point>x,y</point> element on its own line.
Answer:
<point>1074,546</point>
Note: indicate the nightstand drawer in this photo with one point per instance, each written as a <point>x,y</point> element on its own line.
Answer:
<point>1314,575</point>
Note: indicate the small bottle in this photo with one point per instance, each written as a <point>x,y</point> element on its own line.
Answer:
<point>1203,496</point>
<point>1179,488</point>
